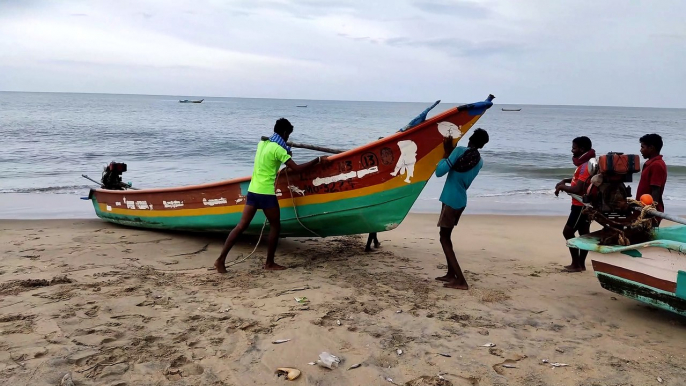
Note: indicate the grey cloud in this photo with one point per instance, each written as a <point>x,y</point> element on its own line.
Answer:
<point>456,8</point>
<point>460,47</point>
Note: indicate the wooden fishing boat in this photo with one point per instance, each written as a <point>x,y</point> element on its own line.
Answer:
<point>191,101</point>
<point>363,190</point>
<point>653,272</point>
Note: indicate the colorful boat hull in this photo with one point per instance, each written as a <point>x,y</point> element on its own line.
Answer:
<point>367,189</point>
<point>653,272</point>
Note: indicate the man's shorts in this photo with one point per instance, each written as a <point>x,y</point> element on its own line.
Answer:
<point>577,219</point>
<point>262,201</point>
<point>449,216</point>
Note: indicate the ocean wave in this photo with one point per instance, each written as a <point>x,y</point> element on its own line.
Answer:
<point>69,189</point>
<point>522,192</point>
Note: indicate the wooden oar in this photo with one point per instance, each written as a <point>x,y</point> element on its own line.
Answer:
<point>311,147</point>
<point>651,212</point>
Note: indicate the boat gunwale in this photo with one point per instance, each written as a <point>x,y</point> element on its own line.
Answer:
<point>335,157</point>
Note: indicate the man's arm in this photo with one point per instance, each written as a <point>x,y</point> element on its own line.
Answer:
<point>656,192</point>
<point>299,168</point>
<point>448,160</point>
<point>578,189</point>
<point>657,179</point>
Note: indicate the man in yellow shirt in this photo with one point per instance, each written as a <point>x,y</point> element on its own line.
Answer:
<point>270,155</point>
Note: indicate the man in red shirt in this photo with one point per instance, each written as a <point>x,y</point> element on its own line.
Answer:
<point>654,174</point>
<point>582,152</point>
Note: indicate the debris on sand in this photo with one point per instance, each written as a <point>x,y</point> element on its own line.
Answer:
<point>290,373</point>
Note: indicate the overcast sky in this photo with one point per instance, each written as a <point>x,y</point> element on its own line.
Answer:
<point>589,52</point>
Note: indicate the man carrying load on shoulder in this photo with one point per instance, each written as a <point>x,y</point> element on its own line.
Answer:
<point>582,152</point>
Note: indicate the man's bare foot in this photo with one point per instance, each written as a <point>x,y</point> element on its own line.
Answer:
<point>445,278</point>
<point>368,249</point>
<point>572,269</point>
<point>274,267</point>
<point>456,285</point>
<point>377,245</point>
<point>220,267</point>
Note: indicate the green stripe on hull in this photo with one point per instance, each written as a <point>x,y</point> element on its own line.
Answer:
<point>372,213</point>
<point>643,293</point>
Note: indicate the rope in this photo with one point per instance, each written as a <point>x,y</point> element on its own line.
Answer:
<point>295,209</point>
<point>643,222</point>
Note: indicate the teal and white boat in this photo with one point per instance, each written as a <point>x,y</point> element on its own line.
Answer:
<point>653,272</point>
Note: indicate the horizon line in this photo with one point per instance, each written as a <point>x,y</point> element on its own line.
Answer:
<point>330,100</point>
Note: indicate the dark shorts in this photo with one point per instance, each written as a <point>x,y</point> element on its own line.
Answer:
<point>449,217</point>
<point>577,220</point>
<point>262,201</point>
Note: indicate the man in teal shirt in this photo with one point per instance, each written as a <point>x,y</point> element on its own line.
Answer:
<point>462,164</point>
<point>271,153</point>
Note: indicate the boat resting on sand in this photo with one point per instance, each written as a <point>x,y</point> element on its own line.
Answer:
<point>367,189</point>
<point>191,101</point>
<point>652,272</point>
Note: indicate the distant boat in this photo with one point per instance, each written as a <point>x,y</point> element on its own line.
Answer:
<point>504,109</point>
<point>190,101</point>
<point>301,106</point>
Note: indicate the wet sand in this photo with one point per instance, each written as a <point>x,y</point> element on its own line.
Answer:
<point>117,306</point>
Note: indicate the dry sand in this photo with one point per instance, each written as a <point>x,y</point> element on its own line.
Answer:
<point>118,306</point>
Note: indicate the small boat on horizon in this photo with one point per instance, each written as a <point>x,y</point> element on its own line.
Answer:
<point>301,106</point>
<point>504,109</point>
<point>190,101</point>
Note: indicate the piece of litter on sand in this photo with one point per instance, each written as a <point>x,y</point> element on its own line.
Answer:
<point>338,322</point>
<point>356,365</point>
<point>659,379</point>
<point>66,380</point>
<point>399,351</point>
<point>399,312</point>
<point>444,355</point>
<point>290,373</point>
<point>545,361</point>
<point>488,345</point>
<point>293,290</point>
<point>509,366</point>
<point>281,341</point>
<point>302,300</point>
<point>559,364</point>
<point>561,351</point>
<point>329,361</point>
<point>312,363</point>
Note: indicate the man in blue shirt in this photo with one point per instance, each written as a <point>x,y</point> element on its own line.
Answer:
<point>462,164</point>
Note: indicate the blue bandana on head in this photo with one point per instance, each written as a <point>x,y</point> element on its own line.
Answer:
<point>279,141</point>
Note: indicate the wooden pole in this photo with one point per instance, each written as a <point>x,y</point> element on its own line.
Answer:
<point>311,147</point>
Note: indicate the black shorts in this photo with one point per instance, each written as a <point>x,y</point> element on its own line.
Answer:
<point>449,217</point>
<point>262,201</point>
<point>578,220</point>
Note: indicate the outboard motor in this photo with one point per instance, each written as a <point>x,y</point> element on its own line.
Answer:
<point>608,192</point>
<point>111,176</point>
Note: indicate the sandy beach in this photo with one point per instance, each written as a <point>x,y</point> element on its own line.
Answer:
<point>118,306</point>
